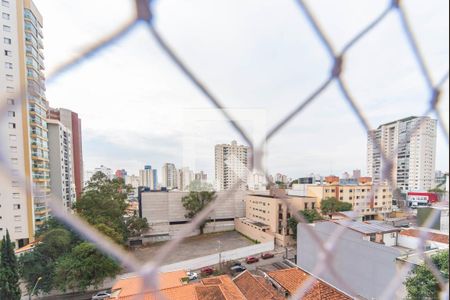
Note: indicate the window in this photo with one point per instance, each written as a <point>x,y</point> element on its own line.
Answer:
<point>14,161</point>
<point>313,205</point>
<point>18,229</point>
<point>16,206</point>
<point>6,28</point>
<point>13,149</point>
<point>8,53</point>
<point>5,3</point>
<point>8,65</point>
<point>12,114</point>
<point>306,206</point>
<point>11,101</point>
<point>12,138</point>
<point>17,218</point>
<point>10,89</point>
<point>9,77</point>
<point>7,41</point>
<point>12,125</point>
<point>6,16</point>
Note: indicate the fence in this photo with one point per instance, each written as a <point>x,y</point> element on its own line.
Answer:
<point>144,14</point>
<point>213,259</point>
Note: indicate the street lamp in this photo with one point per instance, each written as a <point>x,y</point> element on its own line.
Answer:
<point>34,288</point>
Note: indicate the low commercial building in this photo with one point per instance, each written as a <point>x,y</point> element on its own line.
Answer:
<point>367,255</point>
<point>167,216</point>
<point>372,204</point>
<point>269,215</point>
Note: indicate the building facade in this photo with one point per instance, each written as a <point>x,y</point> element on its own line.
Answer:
<point>167,216</point>
<point>169,176</point>
<point>231,163</point>
<point>23,127</point>
<point>185,177</point>
<point>149,177</point>
<point>370,201</point>
<point>270,215</point>
<point>410,144</point>
<point>61,164</point>
<point>72,122</point>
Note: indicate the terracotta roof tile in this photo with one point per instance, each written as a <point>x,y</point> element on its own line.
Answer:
<point>292,279</point>
<point>133,285</point>
<point>210,292</point>
<point>436,237</point>
<point>252,288</point>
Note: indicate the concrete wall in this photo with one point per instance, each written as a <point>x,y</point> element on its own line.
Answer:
<point>252,232</point>
<point>210,260</point>
<point>368,267</point>
<point>414,243</point>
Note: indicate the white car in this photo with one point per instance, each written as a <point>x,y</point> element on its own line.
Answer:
<point>101,295</point>
<point>192,275</point>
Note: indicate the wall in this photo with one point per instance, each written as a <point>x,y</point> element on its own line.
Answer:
<point>367,266</point>
<point>252,233</point>
<point>210,260</point>
<point>414,242</point>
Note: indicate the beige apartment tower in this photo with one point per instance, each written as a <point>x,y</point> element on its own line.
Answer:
<point>410,144</point>
<point>231,163</point>
<point>23,126</point>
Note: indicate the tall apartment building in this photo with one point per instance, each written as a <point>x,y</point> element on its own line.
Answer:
<point>169,174</point>
<point>231,163</point>
<point>72,122</point>
<point>149,177</point>
<point>411,145</point>
<point>185,178</point>
<point>23,126</point>
<point>61,164</point>
<point>201,176</point>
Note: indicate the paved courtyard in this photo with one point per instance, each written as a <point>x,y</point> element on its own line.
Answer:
<point>197,246</point>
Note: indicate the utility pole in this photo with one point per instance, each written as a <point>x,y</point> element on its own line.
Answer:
<point>34,288</point>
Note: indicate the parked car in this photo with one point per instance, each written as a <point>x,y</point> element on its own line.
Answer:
<point>236,263</point>
<point>267,255</point>
<point>192,275</point>
<point>238,269</point>
<point>207,271</point>
<point>101,295</point>
<point>251,260</point>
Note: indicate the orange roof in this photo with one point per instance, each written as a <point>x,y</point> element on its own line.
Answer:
<point>26,248</point>
<point>254,289</point>
<point>216,288</point>
<point>292,279</point>
<point>430,236</point>
<point>133,285</point>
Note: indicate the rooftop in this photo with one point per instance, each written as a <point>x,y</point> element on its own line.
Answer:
<point>369,227</point>
<point>255,288</point>
<point>292,279</point>
<point>429,236</point>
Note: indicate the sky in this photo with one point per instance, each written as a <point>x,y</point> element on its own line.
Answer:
<point>261,59</point>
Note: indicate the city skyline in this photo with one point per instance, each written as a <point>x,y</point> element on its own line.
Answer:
<point>399,93</point>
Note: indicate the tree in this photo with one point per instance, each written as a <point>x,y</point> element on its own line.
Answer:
<point>84,266</point>
<point>136,226</point>
<point>103,202</point>
<point>9,277</point>
<point>421,283</point>
<point>310,215</point>
<point>332,205</point>
<point>60,248</point>
<point>195,202</point>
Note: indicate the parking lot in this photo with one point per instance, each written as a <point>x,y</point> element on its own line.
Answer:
<point>197,246</point>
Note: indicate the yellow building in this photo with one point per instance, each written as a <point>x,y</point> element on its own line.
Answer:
<point>366,201</point>
<point>270,215</point>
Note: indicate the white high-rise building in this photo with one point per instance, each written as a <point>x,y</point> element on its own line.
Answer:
<point>23,126</point>
<point>169,174</point>
<point>185,178</point>
<point>149,178</point>
<point>105,170</point>
<point>231,166</point>
<point>410,144</point>
<point>61,163</point>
